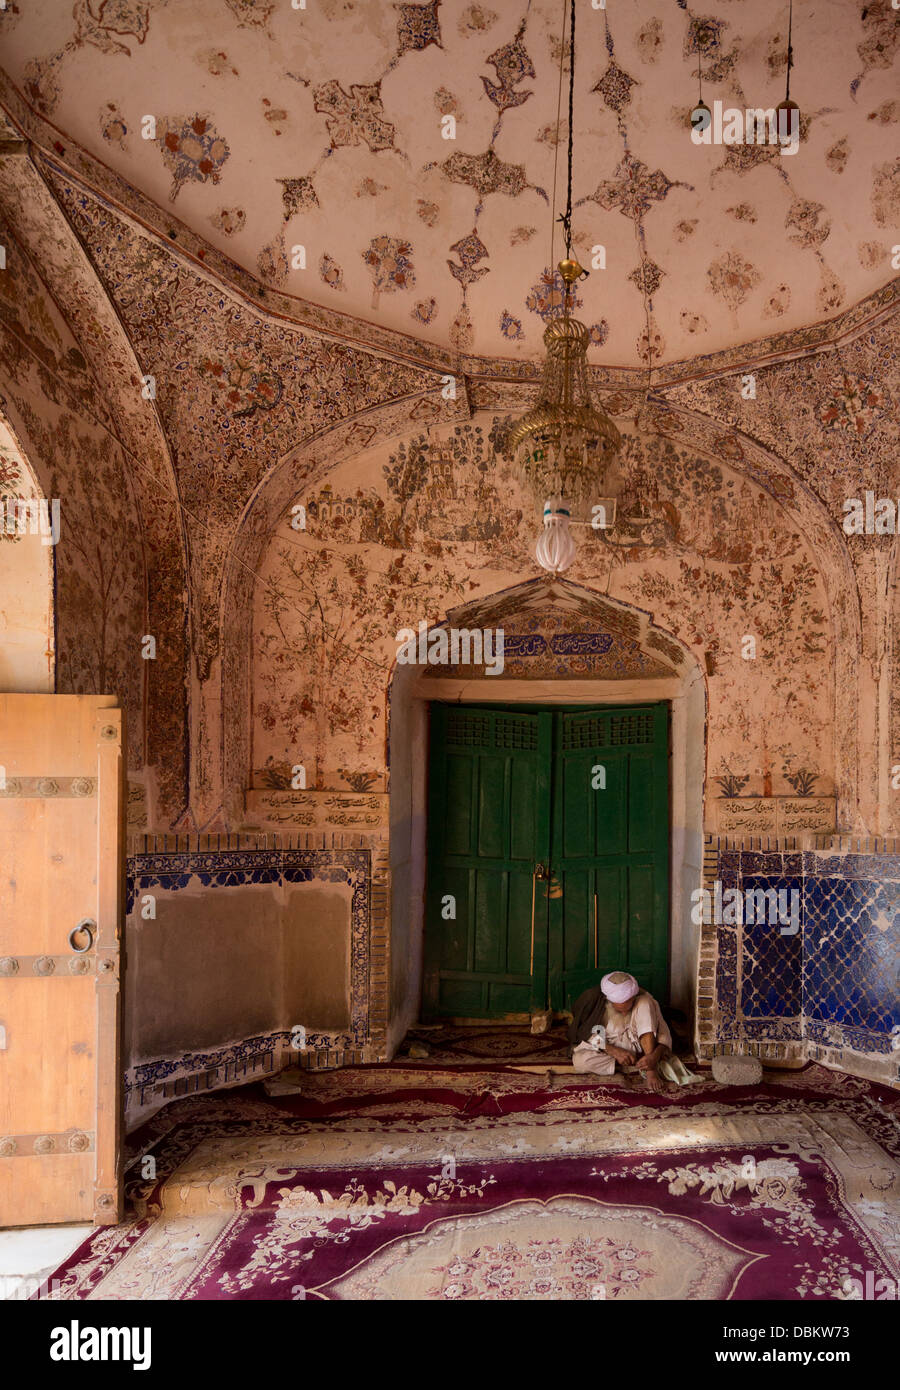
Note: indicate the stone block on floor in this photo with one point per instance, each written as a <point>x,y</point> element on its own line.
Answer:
<point>737,1069</point>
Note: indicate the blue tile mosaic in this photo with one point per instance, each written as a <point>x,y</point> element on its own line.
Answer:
<point>836,982</point>
<point>772,951</point>
<point>852,953</point>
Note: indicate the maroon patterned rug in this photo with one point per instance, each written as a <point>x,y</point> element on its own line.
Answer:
<point>489,1044</point>
<point>403,1183</point>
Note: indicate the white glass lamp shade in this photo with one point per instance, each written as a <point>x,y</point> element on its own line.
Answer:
<point>555,549</point>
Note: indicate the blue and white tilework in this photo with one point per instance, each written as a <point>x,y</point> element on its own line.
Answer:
<point>835,982</point>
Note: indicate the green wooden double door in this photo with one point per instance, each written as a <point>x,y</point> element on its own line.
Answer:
<point>548,855</point>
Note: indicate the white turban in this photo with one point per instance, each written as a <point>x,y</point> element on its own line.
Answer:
<point>619,987</point>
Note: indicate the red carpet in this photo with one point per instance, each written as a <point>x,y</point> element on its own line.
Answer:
<point>414,1183</point>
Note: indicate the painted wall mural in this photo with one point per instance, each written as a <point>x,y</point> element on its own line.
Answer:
<point>257,386</point>
<point>841,437</point>
<point>405,533</point>
<point>101,378</point>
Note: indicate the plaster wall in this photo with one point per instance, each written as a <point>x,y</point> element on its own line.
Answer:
<point>238,959</point>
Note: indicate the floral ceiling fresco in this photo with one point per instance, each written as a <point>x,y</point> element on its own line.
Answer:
<point>396,163</point>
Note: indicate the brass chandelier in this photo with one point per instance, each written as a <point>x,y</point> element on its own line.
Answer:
<point>565,443</point>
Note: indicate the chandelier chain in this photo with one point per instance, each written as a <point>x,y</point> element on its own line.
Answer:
<point>567,221</point>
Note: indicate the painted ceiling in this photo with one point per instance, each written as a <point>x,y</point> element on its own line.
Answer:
<point>324,128</point>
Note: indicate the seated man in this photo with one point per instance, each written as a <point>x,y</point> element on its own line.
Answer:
<point>635,1031</point>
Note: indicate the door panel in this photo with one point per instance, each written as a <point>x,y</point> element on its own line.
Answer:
<point>607,814</point>
<point>585,791</point>
<point>609,849</point>
<point>488,778</point>
<point>60,831</point>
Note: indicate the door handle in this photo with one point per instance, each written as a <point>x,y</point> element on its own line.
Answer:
<point>87,926</point>
<point>540,872</point>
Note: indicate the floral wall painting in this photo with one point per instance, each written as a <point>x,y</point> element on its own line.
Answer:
<point>855,405</point>
<point>408,530</point>
<point>355,117</point>
<point>510,326</point>
<point>487,173</point>
<point>615,87</point>
<point>425,310</point>
<point>229,220</point>
<point>418,26</point>
<point>546,296</point>
<point>331,272</point>
<point>297,195</point>
<point>113,125</point>
<point>390,262</point>
<point>470,250</point>
<point>512,65</point>
<point>192,149</point>
<point>731,277</point>
<point>252,14</point>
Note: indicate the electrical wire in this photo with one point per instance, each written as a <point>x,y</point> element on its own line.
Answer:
<point>562,54</point>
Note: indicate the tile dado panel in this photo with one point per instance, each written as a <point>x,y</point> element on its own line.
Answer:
<point>216,870</point>
<point>830,990</point>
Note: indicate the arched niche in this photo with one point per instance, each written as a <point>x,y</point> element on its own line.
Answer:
<point>641,664</point>
<point>28,533</point>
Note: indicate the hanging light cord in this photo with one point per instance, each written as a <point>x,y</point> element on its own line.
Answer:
<point>562,53</point>
<point>566,217</point>
<point>790,52</point>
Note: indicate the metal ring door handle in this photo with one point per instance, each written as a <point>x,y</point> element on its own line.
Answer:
<point>86,925</point>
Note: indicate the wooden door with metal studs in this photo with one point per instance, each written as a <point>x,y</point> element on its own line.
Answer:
<point>61,903</point>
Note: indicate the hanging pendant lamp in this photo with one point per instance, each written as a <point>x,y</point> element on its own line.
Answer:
<point>565,443</point>
<point>701,116</point>
<point>787,112</point>
<point>555,549</point>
